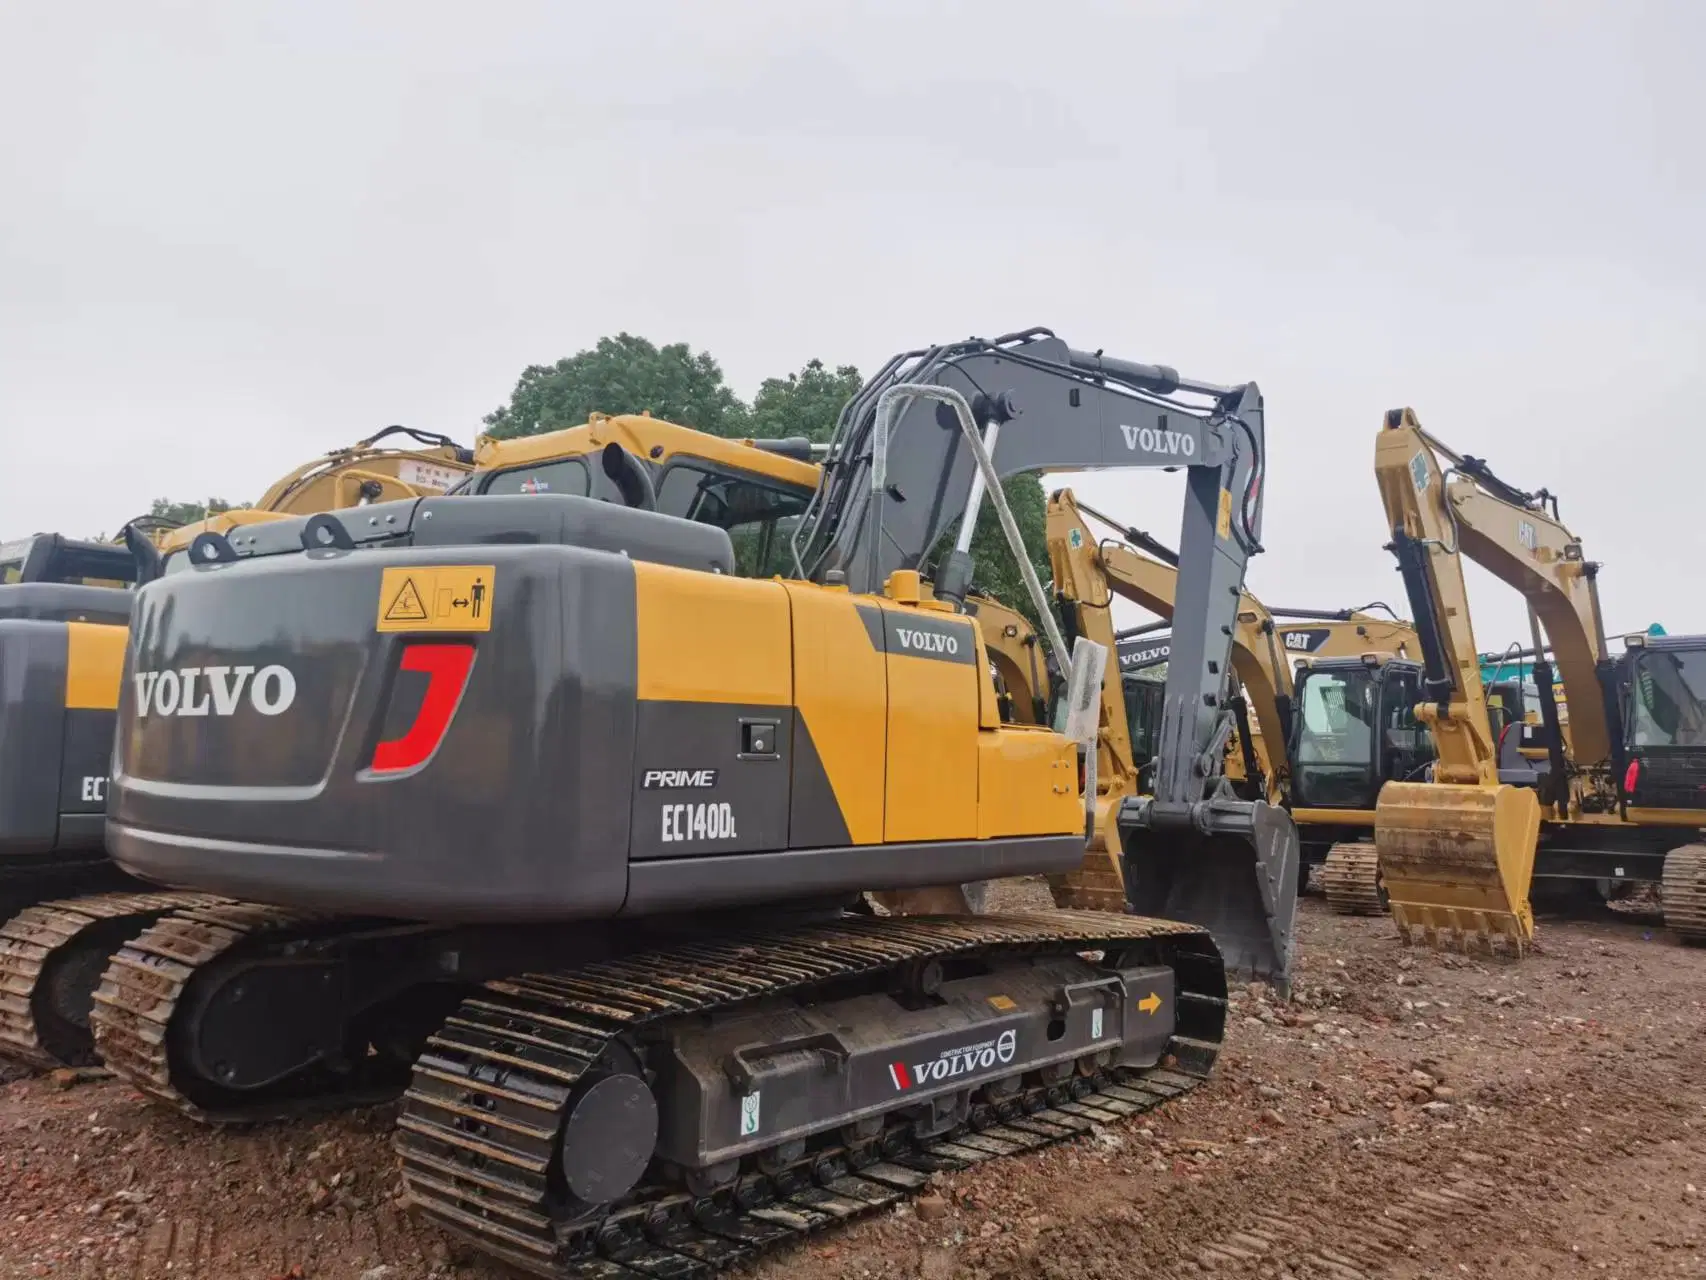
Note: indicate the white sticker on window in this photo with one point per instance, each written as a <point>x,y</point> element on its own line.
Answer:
<point>426,475</point>
<point>1095,1024</point>
<point>749,1115</point>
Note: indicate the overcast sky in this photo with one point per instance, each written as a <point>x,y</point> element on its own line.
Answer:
<point>235,235</point>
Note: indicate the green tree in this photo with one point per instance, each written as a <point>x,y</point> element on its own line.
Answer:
<point>806,403</point>
<point>624,374</point>
<point>188,512</point>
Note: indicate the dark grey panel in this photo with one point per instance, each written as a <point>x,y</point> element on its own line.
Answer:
<point>872,617</point>
<point>677,884</point>
<point>815,820</point>
<point>1146,651</point>
<point>86,757</point>
<point>923,633</point>
<point>695,788</point>
<point>66,602</point>
<point>32,715</point>
<point>520,814</point>
<point>82,832</point>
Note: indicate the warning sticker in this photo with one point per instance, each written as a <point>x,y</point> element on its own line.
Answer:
<point>1223,520</point>
<point>444,597</point>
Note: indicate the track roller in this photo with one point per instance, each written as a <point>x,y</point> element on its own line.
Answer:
<point>1351,879</point>
<point>1684,892</point>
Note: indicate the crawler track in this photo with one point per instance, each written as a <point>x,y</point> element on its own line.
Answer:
<point>1351,879</point>
<point>1685,892</point>
<point>479,1133</point>
<point>49,956</point>
<point>143,986</point>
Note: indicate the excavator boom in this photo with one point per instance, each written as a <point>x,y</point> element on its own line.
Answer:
<point>1456,853</point>
<point>893,487</point>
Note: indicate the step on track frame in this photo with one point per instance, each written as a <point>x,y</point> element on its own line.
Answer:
<point>479,1134</point>
<point>35,945</point>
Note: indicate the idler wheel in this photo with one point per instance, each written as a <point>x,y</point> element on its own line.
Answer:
<point>608,1137</point>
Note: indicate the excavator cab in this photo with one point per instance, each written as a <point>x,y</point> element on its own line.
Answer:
<point>1355,731</point>
<point>53,558</point>
<point>754,490</point>
<point>1660,686</point>
<point>1144,690</point>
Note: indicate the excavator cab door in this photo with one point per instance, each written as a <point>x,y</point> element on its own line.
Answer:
<point>1664,723</point>
<point>1405,747</point>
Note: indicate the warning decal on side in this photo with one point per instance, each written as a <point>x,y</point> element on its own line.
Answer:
<point>445,597</point>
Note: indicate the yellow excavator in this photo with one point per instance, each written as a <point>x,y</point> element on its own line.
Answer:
<point>1088,571</point>
<point>1615,795</point>
<point>640,1024</point>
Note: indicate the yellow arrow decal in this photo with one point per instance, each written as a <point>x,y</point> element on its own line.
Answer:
<point>1150,1003</point>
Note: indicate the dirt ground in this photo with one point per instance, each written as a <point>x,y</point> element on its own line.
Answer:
<point>1410,1114</point>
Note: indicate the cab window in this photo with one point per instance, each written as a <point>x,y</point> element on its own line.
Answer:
<point>565,475</point>
<point>1670,699</point>
<point>760,517</point>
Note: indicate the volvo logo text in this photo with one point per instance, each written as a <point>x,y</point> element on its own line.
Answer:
<point>1163,440</point>
<point>927,641</point>
<point>219,691</point>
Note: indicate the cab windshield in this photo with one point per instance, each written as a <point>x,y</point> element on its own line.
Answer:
<point>1334,761</point>
<point>760,516</point>
<point>1144,699</point>
<point>1669,697</point>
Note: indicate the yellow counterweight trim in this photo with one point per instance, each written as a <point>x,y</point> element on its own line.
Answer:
<point>94,665</point>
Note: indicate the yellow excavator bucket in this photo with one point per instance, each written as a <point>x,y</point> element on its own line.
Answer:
<point>1457,861</point>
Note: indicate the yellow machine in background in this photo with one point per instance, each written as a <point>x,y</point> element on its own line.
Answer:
<point>1089,571</point>
<point>64,613</point>
<point>1615,795</point>
<point>362,473</point>
<point>57,916</point>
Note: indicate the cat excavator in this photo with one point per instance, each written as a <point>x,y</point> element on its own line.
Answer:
<point>1089,570</point>
<point>64,609</point>
<point>1619,791</point>
<point>503,713</point>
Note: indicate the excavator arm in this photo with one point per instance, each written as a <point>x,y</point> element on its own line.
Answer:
<point>900,471</point>
<point>1098,569</point>
<point>1457,853</point>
